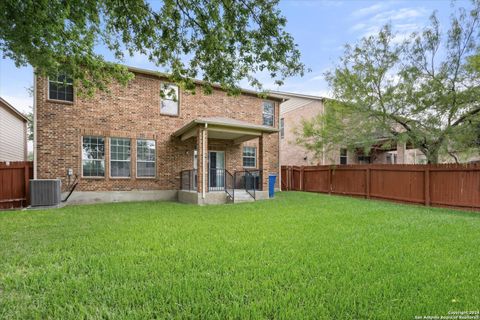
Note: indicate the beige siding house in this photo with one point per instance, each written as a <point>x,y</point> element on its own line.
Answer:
<point>299,107</point>
<point>292,111</point>
<point>13,133</point>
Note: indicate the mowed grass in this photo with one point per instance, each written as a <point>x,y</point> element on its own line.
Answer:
<point>299,256</point>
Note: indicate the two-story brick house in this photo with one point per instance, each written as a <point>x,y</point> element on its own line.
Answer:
<point>133,143</point>
<point>298,107</point>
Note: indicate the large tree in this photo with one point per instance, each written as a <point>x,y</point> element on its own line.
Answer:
<point>424,90</point>
<point>219,41</point>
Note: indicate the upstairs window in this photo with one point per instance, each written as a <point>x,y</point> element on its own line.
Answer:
<point>93,156</point>
<point>343,156</point>
<point>268,113</point>
<point>145,158</point>
<point>282,128</point>
<point>119,158</point>
<point>60,88</point>
<point>169,99</point>
<point>362,159</point>
<point>249,157</point>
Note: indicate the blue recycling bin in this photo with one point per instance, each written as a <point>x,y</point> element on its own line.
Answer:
<point>271,185</point>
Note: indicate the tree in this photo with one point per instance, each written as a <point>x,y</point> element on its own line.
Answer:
<point>424,90</point>
<point>221,41</point>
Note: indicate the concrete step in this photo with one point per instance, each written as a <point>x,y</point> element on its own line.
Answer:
<point>243,196</point>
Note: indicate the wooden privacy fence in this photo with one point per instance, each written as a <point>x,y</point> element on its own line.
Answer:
<point>449,185</point>
<point>14,184</point>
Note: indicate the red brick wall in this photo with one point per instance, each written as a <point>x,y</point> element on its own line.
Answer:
<point>134,112</point>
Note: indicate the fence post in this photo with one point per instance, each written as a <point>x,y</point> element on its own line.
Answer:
<point>427,186</point>
<point>368,183</point>
<point>26,173</point>
<point>291,178</point>
<point>302,176</point>
<point>329,180</point>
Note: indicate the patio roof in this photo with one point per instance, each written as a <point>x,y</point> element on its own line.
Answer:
<point>224,128</point>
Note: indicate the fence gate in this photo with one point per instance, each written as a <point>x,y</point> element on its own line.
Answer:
<point>14,184</point>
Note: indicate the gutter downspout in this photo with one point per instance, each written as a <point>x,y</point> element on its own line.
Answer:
<point>203,161</point>
<point>280,146</point>
<point>34,125</point>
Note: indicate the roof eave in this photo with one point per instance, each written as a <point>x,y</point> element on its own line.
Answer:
<point>196,122</point>
<point>15,111</point>
<point>268,95</point>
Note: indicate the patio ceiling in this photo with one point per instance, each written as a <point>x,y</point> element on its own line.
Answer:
<point>223,128</point>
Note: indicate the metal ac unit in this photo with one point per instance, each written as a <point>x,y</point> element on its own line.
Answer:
<point>45,192</point>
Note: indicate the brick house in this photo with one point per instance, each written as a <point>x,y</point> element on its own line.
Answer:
<point>300,106</point>
<point>132,143</point>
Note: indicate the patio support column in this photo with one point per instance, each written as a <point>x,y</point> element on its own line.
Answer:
<point>263,160</point>
<point>202,159</point>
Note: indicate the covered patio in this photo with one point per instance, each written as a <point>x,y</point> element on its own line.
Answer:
<point>216,176</point>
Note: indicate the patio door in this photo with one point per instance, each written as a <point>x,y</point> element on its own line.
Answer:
<point>216,170</point>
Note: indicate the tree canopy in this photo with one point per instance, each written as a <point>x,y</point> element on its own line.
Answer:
<point>219,41</point>
<point>424,90</point>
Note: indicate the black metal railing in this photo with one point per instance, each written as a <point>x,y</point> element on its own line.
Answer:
<point>216,179</point>
<point>250,183</point>
<point>230,184</point>
<point>243,181</point>
<point>188,179</point>
<point>223,180</point>
<point>248,180</point>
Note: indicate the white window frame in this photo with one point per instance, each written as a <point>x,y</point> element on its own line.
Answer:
<point>345,156</point>
<point>62,83</point>
<point>98,160</point>
<point>254,157</point>
<point>272,114</point>
<point>144,161</point>
<point>282,128</point>
<point>163,87</point>
<point>110,159</point>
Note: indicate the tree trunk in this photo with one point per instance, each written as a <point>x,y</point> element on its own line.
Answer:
<point>432,156</point>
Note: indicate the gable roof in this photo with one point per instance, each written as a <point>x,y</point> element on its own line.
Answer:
<point>269,94</point>
<point>297,95</point>
<point>17,113</point>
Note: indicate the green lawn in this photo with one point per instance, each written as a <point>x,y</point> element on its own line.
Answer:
<point>299,256</point>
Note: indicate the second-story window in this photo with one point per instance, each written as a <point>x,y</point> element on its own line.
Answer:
<point>169,99</point>
<point>119,158</point>
<point>282,128</point>
<point>343,156</point>
<point>60,87</point>
<point>268,113</point>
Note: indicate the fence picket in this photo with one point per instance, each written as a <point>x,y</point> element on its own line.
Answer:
<point>451,185</point>
<point>15,183</point>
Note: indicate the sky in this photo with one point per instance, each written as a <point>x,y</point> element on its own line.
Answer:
<point>321,28</point>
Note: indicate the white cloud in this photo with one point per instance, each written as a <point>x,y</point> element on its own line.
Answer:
<point>368,10</point>
<point>21,103</point>
<point>400,14</point>
<point>358,26</point>
<point>310,3</point>
<point>404,21</point>
<point>316,78</point>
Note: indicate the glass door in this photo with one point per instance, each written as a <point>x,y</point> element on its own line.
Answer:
<point>216,160</point>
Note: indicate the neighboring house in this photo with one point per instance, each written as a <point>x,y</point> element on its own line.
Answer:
<point>300,106</point>
<point>292,111</point>
<point>134,144</point>
<point>13,133</point>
